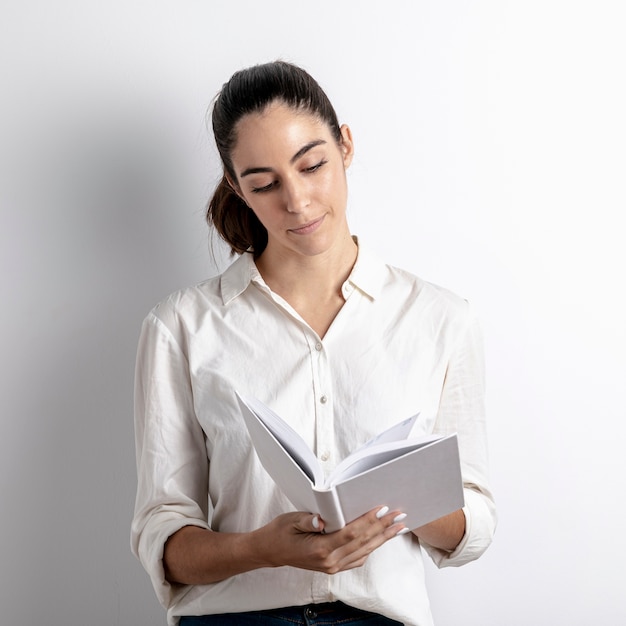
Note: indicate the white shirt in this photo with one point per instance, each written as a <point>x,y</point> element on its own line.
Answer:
<point>399,345</point>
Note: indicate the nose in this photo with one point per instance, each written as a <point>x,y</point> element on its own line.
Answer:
<point>296,196</point>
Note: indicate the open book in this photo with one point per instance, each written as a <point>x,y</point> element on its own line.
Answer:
<point>418,476</point>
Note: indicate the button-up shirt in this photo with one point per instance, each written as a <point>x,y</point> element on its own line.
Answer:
<point>398,346</point>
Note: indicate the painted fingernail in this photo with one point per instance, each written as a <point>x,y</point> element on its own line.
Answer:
<point>399,518</point>
<point>404,531</point>
<point>316,522</point>
<point>382,512</point>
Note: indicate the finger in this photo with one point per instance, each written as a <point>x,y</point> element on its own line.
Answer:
<point>318,524</point>
<point>382,512</point>
<point>368,532</point>
<point>355,553</point>
<point>391,520</point>
<point>309,523</point>
<point>394,522</point>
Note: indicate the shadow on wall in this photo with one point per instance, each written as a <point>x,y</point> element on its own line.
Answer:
<point>98,207</point>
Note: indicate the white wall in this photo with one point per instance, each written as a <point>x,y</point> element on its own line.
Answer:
<point>491,159</point>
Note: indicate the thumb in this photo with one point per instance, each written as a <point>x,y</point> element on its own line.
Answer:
<point>310,523</point>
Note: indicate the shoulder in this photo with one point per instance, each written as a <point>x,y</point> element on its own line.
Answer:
<point>209,295</point>
<point>400,291</point>
<point>427,295</point>
<point>428,310</point>
<point>188,302</point>
<point>186,310</point>
<point>172,321</point>
<point>389,282</point>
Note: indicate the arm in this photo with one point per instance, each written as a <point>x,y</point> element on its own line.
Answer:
<point>444,533</point>
<point>199,556</point>
<point>465,534</point>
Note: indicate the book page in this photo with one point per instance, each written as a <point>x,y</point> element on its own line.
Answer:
<point>288,438</point>
<point>374,454</point>
<point>286,473</point>
<point>397,432</point>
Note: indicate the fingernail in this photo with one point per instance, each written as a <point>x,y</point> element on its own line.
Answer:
<point>399,518</point>
<point>404,531</point>
<point>316,522</point>
<point>382,512</point>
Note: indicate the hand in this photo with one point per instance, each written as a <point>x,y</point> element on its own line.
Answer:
<point>297,539</point>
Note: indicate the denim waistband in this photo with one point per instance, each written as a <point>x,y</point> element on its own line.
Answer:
<point>323,614</point>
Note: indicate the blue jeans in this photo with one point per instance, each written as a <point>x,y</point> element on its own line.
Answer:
<point>328,614</point>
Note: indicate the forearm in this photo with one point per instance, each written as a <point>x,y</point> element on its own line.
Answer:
<point>444,533</point>
<point>195,556</point>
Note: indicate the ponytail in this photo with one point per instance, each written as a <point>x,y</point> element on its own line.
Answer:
<point>235,221</point>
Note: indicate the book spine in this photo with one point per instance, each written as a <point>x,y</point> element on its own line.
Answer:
<point>329,509</point>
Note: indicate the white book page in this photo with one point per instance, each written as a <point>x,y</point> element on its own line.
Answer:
<point>287,474</point>
<point>375,454</point>
<point>396,432</point>
<point>288,438</point>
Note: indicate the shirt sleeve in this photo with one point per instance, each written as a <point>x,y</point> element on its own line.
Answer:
<point>172,463</point>
<point>462,410</point>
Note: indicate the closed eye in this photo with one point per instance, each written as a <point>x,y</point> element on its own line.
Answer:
<point>307,170</point>
<point>315,167</point>
<point>262,189</point>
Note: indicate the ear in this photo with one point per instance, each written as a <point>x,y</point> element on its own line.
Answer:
<point>346,145</point>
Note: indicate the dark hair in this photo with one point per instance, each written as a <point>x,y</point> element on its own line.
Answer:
<point>250,91</point>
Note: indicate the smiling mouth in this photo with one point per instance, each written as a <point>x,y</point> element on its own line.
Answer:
<point>308,228</point>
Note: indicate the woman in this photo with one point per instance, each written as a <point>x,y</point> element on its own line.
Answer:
<point>311,323</point>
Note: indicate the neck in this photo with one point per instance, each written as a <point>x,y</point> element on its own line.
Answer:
<point>311,284</point>
<point>287,273</point>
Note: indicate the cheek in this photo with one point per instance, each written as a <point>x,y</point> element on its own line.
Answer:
<point>333,184</point>
<point>264,214</point>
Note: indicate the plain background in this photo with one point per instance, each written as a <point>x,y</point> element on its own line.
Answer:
<point>490,142</point>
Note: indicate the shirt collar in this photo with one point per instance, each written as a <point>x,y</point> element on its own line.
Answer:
<point>367,276</point>
<point>368,273</point>
<point>235,280</point>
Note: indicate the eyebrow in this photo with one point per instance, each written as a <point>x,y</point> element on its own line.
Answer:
<point>295,157</point>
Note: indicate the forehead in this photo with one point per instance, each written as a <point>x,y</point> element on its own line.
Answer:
<point>276,129</point>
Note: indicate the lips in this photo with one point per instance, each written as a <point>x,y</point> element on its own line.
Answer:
<point>308,228</point>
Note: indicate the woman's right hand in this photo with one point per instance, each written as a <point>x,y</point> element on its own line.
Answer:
<point>197,556</point>
<point>297,539</point>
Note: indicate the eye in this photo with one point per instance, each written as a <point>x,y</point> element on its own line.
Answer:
<point>315,167</point>
<point>262,189</point>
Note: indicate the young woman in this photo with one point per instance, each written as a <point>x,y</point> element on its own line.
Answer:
<point>309,321</point>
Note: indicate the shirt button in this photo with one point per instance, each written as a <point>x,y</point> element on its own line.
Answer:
<point>323,399</point>
<point>318,346</point>
<point>325,455</point>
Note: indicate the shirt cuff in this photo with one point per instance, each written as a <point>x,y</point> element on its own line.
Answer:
<point>480,524</point>
<point>150,550</point>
